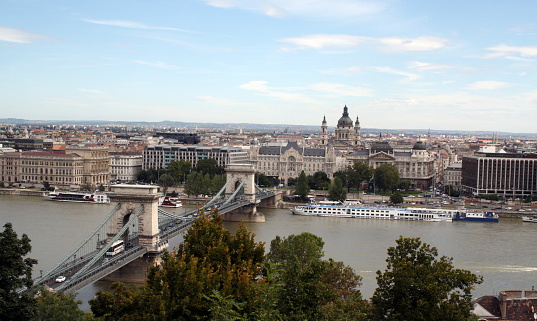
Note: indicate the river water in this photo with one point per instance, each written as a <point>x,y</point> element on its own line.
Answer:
<point>503,253</point>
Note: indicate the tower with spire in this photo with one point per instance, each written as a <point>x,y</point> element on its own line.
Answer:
<point>324,132</point>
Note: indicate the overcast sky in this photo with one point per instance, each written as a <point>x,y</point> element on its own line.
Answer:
<point>465,65</point>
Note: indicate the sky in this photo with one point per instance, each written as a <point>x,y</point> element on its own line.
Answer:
<point>412,64</point>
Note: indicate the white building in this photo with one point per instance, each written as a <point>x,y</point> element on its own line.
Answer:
<point>288,161</point>
<point>125,166</point>
<point>159,156</point>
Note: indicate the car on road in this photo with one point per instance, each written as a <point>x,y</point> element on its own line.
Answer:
<point>60,279</point>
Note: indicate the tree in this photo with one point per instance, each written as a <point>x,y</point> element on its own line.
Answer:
<point>321,180</point>
<point>302,188</point>
<point>361,172</point>
<point>386,177</point>
<point>262,180</point>
<point>209,259</point>
<point>15,275</point>
<point>166,181</point>
<point>209,166</point>
<point>193,184</point>
<point>396,198</point>
<point>212,275</point>
<point>418,286</point>
<point>308,287</point>
<point>179,169</point>
<point>336,192</point>
<point>53,306</point>
<point>404,184</point>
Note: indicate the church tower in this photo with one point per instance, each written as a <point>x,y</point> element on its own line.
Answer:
<point>324,132</point>
<point>357,134</point>
<point>345,130</point>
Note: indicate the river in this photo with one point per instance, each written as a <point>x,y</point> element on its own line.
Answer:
<point>503,253</point>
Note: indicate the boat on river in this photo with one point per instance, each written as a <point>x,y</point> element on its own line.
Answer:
<point>78,197</point>
<point>169,202</point>
<point>530,219</point>
<point>376,212</point>
<point>477,217</point>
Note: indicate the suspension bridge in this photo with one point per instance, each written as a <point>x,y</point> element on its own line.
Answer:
<point>132,237</point>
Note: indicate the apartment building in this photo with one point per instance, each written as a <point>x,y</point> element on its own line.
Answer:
<point>125,166</point>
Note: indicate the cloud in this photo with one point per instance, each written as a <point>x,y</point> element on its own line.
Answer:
<point>159,64</point>
<point>389,44</point>
<point>424,43</point>
<point>340,90</point>
<point>390,70</point>
<point>426,66</point>
<point>319,90</point>
<point>487,85</point>
<point>334,9</point>
<point>91,91</point>
<point>323,41</point>
<point>281,94</point>
<point>501,51</point>
<point>21,36</point>
<point>130,24</point>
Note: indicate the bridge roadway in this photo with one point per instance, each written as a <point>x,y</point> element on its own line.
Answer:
<point>169,228</point>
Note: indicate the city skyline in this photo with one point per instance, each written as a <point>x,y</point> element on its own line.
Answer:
<point>396,65</point>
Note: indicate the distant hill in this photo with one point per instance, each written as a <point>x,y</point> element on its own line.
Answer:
<point>289,128</point>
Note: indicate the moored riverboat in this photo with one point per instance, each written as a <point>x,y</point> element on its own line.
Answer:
<point>169,202</point>
<point>529,219</point>
<point>78,197</point>
<point>376,212</point>
<point>490,217</point>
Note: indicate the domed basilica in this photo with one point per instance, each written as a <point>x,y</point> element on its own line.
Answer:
<point>347,134</point>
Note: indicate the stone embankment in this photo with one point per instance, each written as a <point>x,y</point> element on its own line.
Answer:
<point>20,191</point>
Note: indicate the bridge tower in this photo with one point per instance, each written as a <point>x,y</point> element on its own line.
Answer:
<point>131,198</point>
<point>236,173</point>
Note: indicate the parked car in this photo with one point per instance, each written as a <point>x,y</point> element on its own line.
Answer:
<point>60,279</point>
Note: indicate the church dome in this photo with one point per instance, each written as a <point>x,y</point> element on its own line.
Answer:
<point>345,120</point>
<point>419,146</point>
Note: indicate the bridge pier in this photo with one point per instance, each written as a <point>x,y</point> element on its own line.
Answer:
<point>245,214</point>
<point>134,272</point>
<point>130,198</point>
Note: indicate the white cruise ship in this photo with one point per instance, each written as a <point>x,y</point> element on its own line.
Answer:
<point>377,212</point>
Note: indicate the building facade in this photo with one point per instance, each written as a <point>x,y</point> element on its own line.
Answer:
<point>347,134</point>
<point>288,161</point>
<point>453,176</point>
<point>510,175</point>
<point>159,156</point>
<point>125,166</point>
<point>96,162</point>
<point>57,168</point>
<point>416,165</point>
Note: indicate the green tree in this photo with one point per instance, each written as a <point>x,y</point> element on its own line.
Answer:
<point>345,178</point>
<point>404,184</point>
<point>179,169</point>
<point>386,177</point>
<point>418,286</point>
<point>361,172</point>
<point>217,182</point>
<point>302,188</point>
<point>396,198</point>
<point>310,288</point>
<point>262,180</point>
<point>15,275</point>
<point>209,166</point>
<point>53,306</point>
<point>166,181</point>
<point>321,180</point>
<point>193,185</point>
<point>336,192</point>
<point>209,259</point>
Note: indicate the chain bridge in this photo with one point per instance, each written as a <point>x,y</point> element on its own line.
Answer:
<point>132,237</point>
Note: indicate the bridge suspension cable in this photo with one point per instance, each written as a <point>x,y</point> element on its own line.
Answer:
<point>219,194</point>
<point>105,248</point>
<point>52,272</point>
<point>239,188</point>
